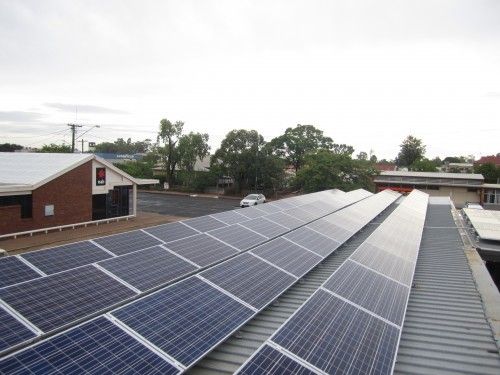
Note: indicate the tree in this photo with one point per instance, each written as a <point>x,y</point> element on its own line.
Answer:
<point>190,147</point>
<point>120,146</point>
<point>56,148</point>
<point>342,149</point>
<point>328,170</point>
<point>362,156</point>
<point>412,150</point>
<point>10,147</point>
<point>238,156</point>
<point>424,165</point>
<point>296,143</point>
<point>373,158</point>
<point>489,171</point>
<point>169,134</point>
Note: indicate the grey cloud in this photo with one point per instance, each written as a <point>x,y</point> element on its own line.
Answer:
<point>20,116</point>
<point>84,108</point>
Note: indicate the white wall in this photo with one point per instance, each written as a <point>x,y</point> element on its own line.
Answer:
<point>112,179</point>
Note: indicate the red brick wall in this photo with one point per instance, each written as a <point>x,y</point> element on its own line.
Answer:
<point>71,195</point>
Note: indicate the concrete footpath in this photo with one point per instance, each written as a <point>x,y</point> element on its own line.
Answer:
<point>42,240</point>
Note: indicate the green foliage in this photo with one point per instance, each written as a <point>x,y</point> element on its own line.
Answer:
<point>192,146</point>
<point>412,150</point>
<point>424,165</point>
<point>136,169</point>
<point>328,170</point>
<point>298,142</point>
<point>490,172</point>
<point>120,146</point>
<point>373,158</point>
<point>169,134</point>
<point>362,156</point>
<point>10,147</point>
<point>56,148</point>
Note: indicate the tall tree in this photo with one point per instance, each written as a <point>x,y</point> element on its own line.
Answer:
<point>238,155</point>
<point>169,134</point>
<point>412,150</point>
<point>10,147</point>
<point>296,143</point>
<point>424,165</point>
<point>192,146</point>
<point>362,156</point>
<point>120,146</point>
<point>490,172</point>
<point>56,148</point>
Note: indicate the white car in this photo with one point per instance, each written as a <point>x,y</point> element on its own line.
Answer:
<point>253,200</point>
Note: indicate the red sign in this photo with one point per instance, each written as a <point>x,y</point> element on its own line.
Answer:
<point>100,176</point>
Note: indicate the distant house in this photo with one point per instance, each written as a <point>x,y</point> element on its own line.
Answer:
<point>458,168</point>
<point>40,190</point>
<point>492,159</point>
<point>385,167</point>
<point>201,165</point>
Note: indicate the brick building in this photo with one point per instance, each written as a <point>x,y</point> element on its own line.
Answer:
<point>41,190</point>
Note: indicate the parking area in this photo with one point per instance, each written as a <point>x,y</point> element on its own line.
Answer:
<point>183,205</point>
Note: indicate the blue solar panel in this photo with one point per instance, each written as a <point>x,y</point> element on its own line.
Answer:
<point>202,249</point>
<point>370,290</point>
<point>313,241</point>
<point>269,361</point>
<point>288,256</point>
<point>54,301</point>
<point>265,227</point>
<point>238,236</point>
<point>339,338</point>
<point>230,217</point>
<point>171,231</point>
<point>12,332</point>
<point>185,320</point>
<point>127,242</point>
<point>204,223</point>
<point>62,258</point>
<point>96,347</point>
<point>331,230</point>
<point>149,268</point>
<point>250,279</point>
<point>14,271</point>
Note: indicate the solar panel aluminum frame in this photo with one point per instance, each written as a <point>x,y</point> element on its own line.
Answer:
<point>25,322</point>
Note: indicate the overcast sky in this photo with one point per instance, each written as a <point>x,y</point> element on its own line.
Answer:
<point>367,73</point>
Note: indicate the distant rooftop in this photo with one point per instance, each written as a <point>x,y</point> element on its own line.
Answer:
<point>489,159</point>
<point>455,176</point>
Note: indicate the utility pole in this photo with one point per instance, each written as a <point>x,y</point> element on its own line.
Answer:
<point>73,135</point>
<point>82,145</point>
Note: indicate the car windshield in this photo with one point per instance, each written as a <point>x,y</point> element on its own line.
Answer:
<point>252,197</point>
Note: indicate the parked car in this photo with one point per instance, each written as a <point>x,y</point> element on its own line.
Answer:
<point>253,200</point>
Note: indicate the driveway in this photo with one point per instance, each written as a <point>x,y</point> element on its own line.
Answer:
<point>182,205</point>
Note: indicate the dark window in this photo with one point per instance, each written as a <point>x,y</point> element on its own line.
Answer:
<point>25,201</point>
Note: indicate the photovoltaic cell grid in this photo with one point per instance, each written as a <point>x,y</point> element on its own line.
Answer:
<point>96,347</point>
<point>286,220</point>
<point>171,231</point>
<point>250,279</point>
<point>250,212</point>
<point>186,319</point>
<point>266,227</point>
<point>54,301</point>
<point>271,362</point>
<point>202,249</point>
<point>339,338</point>
<point>149,268</point>
<point>12,332</point>
<point>204,223</point>
<point>230,217</point>
<point>63,258</point>
<point>314,241</point>
<point>14,271</point>
<point>268,208</point>
<point>127,242</point>
<point>288,256</point>
<point>238,236</point>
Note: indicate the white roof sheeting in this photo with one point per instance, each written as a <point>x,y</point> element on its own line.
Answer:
<point>485,222</point>
<point>455,176</point>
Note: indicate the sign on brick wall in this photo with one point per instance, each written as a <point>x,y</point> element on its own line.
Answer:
<point>100,176</point>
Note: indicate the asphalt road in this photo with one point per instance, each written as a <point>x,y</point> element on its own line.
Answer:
<point>181,205</point>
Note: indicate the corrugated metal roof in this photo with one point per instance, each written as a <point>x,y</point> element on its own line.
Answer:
<point>461,176</point>
<point>485,222</point>
<point>445,329</point>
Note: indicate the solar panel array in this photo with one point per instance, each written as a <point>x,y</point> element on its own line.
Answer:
<point>353,322</point>
<point>44,293</point>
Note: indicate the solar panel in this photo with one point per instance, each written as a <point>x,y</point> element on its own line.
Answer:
<point>96,347</point>
<point>171,231</point>
<point>388,264</point>
<point>149,268</point>
<point>230,217</point>
<point>12,331</point>
<point>313,241</point>
<point>54,301</point>
<point>204,223</point>
<point>339,338</point>
<point>185,320</point>
<point>14,271</point>
<point>201,249</point>
<point>127,242</point>
<point>250,279</point>
<point>370,290</point>
<point>283,204</point>
<point>250,212</point>
<point>266,227</point>
<point>330,230</point>
<point>286,220</point>
<point>65,257</point>
<point>238,236</point>
<point>288,256</point>
<point>268,208</point>
<point>302,214</point>
<point>272,362</point>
